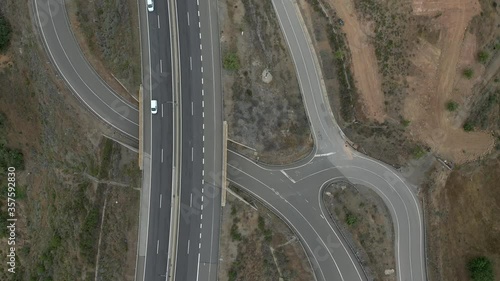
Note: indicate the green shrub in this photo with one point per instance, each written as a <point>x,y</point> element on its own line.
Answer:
<point>468,73</point>
<point>468,127</point>
<point>480,269</point>
<point>483,56</point>
<point>351,219</point>
<point>235,233</point>
<point>231,61</point>
<point>339,55</point>
<point>418,152</point>
<point>405,122</point>
<point>451,106</point>
<point>5,33</point>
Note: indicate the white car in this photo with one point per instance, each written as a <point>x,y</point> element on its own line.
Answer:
<point>154,106</point>
<point>151,5</point>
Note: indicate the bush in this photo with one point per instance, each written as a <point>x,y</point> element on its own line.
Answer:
<point>5,33</point>
<point>468,127</point>
<point>231,61</point>
<point>451,106</point>
<point>483,56</point>
<point>405,122</point>
<point>480,269</point>
<point>468,73</point>
<point>418,152</point>
<point>351,219</point>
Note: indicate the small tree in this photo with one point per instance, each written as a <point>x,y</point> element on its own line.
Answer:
<point>468,127</point>
<point>468,73</point>
<point>231,61</point>
<point>483,56</point>
<point>5,33</point>
<point>451,106</point>
<point>480,269</point>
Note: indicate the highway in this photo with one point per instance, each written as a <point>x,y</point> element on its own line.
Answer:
<point>293,192</point>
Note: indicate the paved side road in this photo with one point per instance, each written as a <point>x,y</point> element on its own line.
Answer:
<point>294,192</point>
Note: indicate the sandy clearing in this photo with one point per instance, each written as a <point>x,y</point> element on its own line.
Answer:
<point>364,62</point>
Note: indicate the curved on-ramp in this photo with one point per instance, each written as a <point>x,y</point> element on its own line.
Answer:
<point>66,55</point>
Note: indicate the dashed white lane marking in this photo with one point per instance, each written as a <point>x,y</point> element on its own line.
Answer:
<point>188,18</point>
<point>162,110</point>
<point>192,108</point>
<point>201,57</point>
<point>202,92</point>
<point>201,215</point>
<point>161,66</point>
<point>198,11</point>
<point>203,161</point>
<point>201,81</point>
<point>158,21</point>
<point>157,246</point>
<point>191,63</point>
<point>307,200</point>
<point>203,172</point>
<point>191,200</point>
<point>202,207</point>
<point>199,245</point>
<point>199,25</point>
<point>201,47</point>
<point>160,200</point>
<point>203,114</point>
<point>202,69</point>
<point>192,154</point>
<point>200,35</point>
<point>203,147</point>
<point>189,242</point>
<point>203,140</point>
<point>203,103</point>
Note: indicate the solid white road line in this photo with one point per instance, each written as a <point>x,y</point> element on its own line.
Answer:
<point>162,155</point>
<point>157,246</point>
<point>188,18</point>
<point>198,269</point>
<point>160,200</point>
<point>189,242</point>
<point>158,21</point>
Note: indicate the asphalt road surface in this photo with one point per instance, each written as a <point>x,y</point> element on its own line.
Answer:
<point>293,192</point>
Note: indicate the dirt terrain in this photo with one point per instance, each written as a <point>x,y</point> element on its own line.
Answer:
<point>366,222</point>
<point>371,137</point>
<point>108,34</point>
<point>262,100</point>
<point>72,178</point>
<point>257,245</point>
<point>407,61</point>
<point>462,210</point>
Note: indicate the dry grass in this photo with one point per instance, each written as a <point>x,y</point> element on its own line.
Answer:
<point>462,218</point>
<point>268,117</point>
<point>256,245</point>
<point>61,144</point>
<point>366,222</point>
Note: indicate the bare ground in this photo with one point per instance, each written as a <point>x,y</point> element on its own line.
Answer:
<point>64,151</point>
<point>268,117</point>
<point>257,245</point>
<point>366,222</point>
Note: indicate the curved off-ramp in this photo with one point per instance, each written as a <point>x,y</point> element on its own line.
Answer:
<point>294,192</point>
<point>66,55</point>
